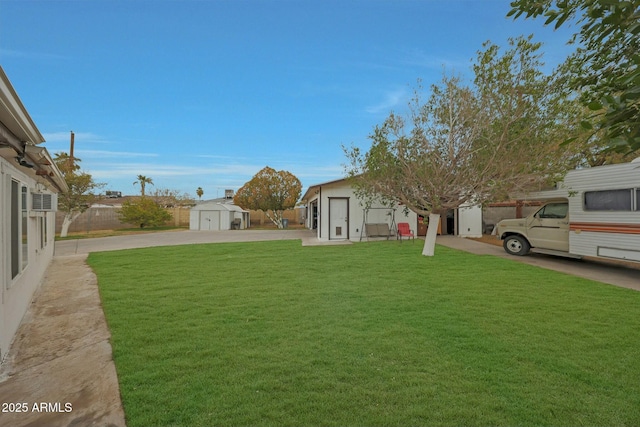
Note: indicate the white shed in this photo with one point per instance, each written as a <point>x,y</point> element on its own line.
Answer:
<point>336,213</point>
<point>469,221</point>
<point>216,215</point>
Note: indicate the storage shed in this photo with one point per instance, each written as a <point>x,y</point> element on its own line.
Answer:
<point>216,215</point>
<point>335,212</point>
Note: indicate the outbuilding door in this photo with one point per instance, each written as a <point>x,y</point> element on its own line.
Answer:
<point>338,218</point>
<point>209,220</point>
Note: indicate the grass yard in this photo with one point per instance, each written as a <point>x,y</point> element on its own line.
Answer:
<point>371,334</point>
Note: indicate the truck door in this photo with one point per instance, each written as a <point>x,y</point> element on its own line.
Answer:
<point>548,228</point>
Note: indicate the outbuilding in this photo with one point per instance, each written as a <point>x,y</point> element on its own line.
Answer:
<point>336,213</point>
<point>218,214</point>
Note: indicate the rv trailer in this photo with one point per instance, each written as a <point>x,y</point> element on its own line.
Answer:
<point>595,212</point>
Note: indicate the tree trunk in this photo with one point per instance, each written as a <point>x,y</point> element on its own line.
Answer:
<point>432,231</point>
<point>69,217</point>
<point>276,218</point>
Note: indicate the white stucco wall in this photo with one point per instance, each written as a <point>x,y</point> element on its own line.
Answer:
<point>341,190</point>
<point>17,292</point>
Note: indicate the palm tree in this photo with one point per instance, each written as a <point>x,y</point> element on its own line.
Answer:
<point>199,192</point>
<point>143,181</point>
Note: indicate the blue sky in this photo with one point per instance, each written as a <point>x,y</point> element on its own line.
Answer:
<point>205,93</point>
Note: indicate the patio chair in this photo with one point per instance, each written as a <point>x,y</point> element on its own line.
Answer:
<point>405,231</point>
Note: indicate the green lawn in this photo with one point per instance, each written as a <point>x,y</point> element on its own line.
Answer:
<point>273,333</point>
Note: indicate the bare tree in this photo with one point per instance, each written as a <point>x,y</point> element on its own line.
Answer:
<point>81,192</point>
<point>468,144</point>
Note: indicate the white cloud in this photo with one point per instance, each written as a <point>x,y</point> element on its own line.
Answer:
<point>29,55</point>
<point>420,58</point>
<point>392,99</point>
<point>53,137</point>
<point>120,154</point>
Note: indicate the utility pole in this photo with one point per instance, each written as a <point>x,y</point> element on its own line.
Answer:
<point>71,151</point>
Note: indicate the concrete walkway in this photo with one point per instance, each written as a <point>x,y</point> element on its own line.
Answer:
<point>60,366</point>
<point>61,356</point>
<point>62,353</point>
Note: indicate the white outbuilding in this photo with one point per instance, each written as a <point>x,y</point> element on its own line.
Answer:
<point>335,212</point>
<point>218,214</point>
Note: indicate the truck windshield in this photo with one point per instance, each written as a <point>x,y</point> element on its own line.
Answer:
<point>553,210</point>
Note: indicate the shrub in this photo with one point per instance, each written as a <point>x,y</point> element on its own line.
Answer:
<point>144,212</point>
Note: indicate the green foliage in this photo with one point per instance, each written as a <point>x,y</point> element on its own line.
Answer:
<point>270,191</point>
<point>303,337</point>
<point>81,185</point>
<point>605,68</point>
<point>143,181</point>
<point>143,211</point>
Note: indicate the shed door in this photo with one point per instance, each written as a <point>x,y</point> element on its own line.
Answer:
<point>338,218</point>
<point>209,220</point>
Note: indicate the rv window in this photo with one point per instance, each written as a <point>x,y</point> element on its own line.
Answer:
<point>608,200</point>
<point>553,210</point>
<point>638,199</point>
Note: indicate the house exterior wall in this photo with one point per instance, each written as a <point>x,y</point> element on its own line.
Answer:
<point>17,288</point>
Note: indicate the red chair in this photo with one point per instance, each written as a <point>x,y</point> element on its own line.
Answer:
<point>405,231</point>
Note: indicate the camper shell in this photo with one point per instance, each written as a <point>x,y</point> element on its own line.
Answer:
<point>602,219</point>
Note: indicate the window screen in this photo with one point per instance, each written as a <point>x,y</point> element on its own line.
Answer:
<point>608,200</point>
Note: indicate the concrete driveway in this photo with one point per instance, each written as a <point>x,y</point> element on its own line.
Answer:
<point>606,273</point>
<point>172,238</point>
<point>61,366</point>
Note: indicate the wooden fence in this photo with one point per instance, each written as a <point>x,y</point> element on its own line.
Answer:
<point>106,218</point>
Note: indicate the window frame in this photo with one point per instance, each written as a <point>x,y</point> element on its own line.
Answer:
<point>599,205</point>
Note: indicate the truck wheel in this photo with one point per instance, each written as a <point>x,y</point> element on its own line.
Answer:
<point>516,245</point>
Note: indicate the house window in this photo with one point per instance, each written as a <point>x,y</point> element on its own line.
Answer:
<point>608,200</point>
<point>41,231</point>
<point>19,228</point>
<point>44,229</point>
<point>24,213</point>
<point>15,228</point>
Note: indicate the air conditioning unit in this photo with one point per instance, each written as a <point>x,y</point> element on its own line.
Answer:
<point>43,202</point>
